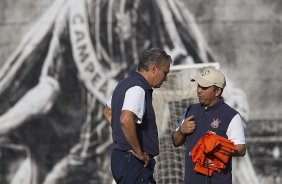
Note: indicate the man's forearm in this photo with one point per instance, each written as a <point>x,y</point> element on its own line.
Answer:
<point>107,112</point>
<point>129,131</point>
<point>178,138</point>
<point>128,126</point>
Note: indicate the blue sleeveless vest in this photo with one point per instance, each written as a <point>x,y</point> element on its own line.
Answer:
<point>147,132</point>
<point>216,119</point>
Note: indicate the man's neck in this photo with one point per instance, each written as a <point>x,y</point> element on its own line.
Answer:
<point>211,104</point>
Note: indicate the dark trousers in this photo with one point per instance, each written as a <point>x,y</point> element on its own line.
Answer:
<point>127,169</point>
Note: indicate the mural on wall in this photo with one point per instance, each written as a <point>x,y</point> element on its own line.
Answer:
<point>55,84</point>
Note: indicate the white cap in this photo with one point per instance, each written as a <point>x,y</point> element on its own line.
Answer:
<point>211,77</point>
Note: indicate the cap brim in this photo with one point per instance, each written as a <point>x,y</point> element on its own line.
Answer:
<point>202,82</point>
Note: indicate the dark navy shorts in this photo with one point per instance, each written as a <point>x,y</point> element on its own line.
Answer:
<point>127,169</point>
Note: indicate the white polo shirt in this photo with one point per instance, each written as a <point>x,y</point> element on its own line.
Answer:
<point>134,101</point>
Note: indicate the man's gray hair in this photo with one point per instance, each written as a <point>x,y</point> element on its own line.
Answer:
<point>154,56</point>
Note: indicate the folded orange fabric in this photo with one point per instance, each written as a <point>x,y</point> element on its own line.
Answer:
<point>203,170</point>
<point>211,153</point>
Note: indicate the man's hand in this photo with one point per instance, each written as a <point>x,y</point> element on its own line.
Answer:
<point>143,156</point>
<point>188,126</point>
<point>107,112</point>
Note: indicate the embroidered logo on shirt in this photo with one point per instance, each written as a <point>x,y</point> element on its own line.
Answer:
<point>215,123</point>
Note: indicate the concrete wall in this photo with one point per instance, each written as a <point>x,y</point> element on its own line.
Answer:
<point>16,18</point>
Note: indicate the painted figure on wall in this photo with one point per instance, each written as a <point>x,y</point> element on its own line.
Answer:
<point>55,84</point>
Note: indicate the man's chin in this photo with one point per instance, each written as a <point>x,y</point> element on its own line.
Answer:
<point>201,101</point>
<point>157,86</point>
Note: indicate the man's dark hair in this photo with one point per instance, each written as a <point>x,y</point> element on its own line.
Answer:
<point>154,56</point>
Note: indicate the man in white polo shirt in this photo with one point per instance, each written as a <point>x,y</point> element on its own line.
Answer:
<point>210,114</point>
<point>131,115</point>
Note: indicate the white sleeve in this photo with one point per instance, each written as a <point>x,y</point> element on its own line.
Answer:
<point>235,131</point>
<point>181,121</point>
<point>109,102</point>
<point>134,101</point>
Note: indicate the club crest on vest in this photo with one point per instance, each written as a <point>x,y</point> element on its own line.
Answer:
<point>215,123</point>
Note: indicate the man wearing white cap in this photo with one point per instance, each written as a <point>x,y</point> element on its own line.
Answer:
<point>210,114</point>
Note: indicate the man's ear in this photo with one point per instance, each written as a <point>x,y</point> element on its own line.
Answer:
<point>218,91</point>
<point>153,68</point>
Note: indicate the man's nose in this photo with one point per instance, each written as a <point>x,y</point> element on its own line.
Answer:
<point>199,90</point>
